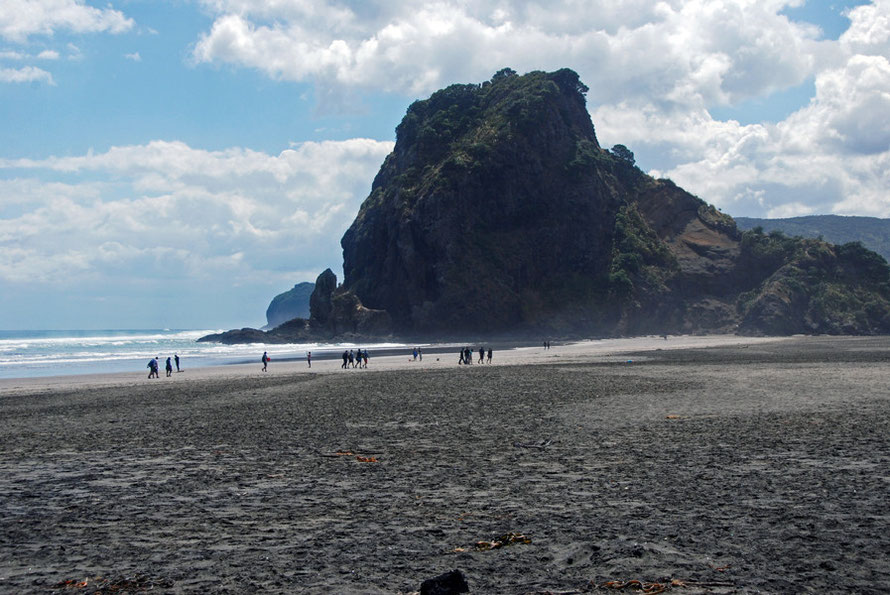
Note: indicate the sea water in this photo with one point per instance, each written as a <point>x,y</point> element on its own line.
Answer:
<point>26,354</point>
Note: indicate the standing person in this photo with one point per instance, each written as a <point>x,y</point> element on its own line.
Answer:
<point>266,359</point>
<point>152,368</point>
<point>309,358</point>
<point>351,358</point>
<point>468,356</point>
<point>365,357</point>
<point>176,359</point>
<point>482,355</point>
<point>415,354</point>
<point>345,358</point>
<point>489,355</point>
<point>420,353</point>
<point>169,367</point>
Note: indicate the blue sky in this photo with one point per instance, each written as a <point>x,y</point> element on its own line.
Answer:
<point>179,163</point>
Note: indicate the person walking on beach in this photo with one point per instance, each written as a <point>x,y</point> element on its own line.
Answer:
<point>489,355</point>
<point>309,358</point>
<point>351,358</point>
<point>176,359</point>
<point>169,367</point>
<point>153,368</point>
<point>345,358</point>
<point>420,354</point>
<point>365,357</point>
<point>266,359</point>
<point>482,355</point>
<point>415,354</point>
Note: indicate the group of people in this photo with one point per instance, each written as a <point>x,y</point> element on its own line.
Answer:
<point>154,366</point>
<point>356,359</point>
<point>466,356</point>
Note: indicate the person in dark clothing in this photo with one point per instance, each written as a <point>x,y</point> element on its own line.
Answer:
<point>169,367</point>
<point>489,355</point>
<point>176,359</point>
<point>265,360</point>
<point>345,358</point>
<point>482,355</point>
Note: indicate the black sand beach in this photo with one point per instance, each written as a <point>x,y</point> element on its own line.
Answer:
<point>757,468</point>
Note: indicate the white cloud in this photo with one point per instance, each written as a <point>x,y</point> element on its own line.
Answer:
<point>26,74</point>
<point>20,19</point>
<point>166,210</point>
<point>656,71</point>
<point>709,51</point>
<point>135,57</point>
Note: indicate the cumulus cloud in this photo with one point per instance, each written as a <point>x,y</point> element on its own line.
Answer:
<point>830,156</point>
<point>656,71</point>
<point>20,19</point>
<point>700,51</point>
<point>167,210</point>
<point>27,74</point>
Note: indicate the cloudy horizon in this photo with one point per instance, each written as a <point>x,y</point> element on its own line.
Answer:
<point>177,164</point>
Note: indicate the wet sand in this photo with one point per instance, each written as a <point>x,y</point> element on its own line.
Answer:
<point>732,465</point>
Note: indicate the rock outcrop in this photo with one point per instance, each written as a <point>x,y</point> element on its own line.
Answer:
<point>291,304</point>
<point>498,212</point>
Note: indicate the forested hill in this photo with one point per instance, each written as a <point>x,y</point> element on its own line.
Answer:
<point>874,233</point>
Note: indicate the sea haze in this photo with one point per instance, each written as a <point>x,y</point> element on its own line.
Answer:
<point>25,354</point>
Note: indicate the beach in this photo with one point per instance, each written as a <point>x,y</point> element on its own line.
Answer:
<point>718,464</point>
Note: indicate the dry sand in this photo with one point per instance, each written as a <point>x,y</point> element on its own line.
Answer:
<point>732,464</point>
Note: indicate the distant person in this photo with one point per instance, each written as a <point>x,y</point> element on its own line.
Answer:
<point>489,355</point>
<point>169,367</point>
<point>365,357</point>
<point>460,359</point>
<point>468,356</point>
<point>345,358</point>
<point>309,358</point>
<point>352,358</point>
<point>420,353</point>
<point>266,359</point>
<point>176,359</point>
<point>153,368</point>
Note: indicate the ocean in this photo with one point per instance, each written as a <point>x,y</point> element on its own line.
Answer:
<point>25,354</point>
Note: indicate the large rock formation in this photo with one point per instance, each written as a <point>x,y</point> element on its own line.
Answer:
<point>498,211</point>
<point>291,304</point>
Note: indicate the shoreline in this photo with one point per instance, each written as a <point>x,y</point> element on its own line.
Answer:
<point>437,356</point>
<point>751,466</point>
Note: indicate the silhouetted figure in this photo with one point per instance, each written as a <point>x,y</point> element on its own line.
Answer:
<point>153,368</point>
<point>266,359</point>
<point>169,367</point>
<point>309,358</point>
<point>176,359</point>
<point>345,358</point>
<point>489,355</point>
<point>482,355</point>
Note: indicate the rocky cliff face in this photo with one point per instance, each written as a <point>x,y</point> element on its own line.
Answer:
<point>498,211</point>
<point>291,304</point>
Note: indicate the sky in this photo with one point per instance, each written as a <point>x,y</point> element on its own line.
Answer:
<point>178,163</point>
